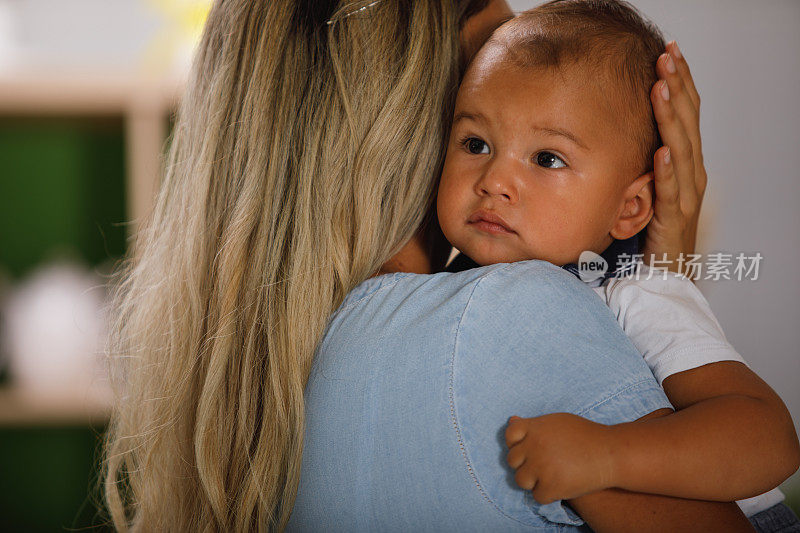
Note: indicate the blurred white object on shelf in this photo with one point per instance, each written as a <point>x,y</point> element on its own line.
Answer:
<point>54,329</point>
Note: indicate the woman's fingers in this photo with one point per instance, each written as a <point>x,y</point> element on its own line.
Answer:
<point>673,134</point>
<point>673,68</point>
<point>686,75</point>
<point>680,99</point>
<point>701,177</point>
<point>680,175</point>
<point>667,205</point>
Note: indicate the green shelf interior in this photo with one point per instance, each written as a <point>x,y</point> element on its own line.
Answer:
<point>49,479</point>
<point>62,195</point>
<point>62,191</point>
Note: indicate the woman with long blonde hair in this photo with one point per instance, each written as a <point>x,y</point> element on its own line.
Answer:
<point>303,162</point>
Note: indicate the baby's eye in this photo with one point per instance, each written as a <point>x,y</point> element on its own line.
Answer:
<point>549,160</point>
<point>475,145</point>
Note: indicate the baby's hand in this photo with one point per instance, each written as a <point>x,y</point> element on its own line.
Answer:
<point>559,456</point>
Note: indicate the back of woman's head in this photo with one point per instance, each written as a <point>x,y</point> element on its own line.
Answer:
<point>304,156</point>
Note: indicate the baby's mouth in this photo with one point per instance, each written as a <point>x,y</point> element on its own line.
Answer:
<point>489,222</point>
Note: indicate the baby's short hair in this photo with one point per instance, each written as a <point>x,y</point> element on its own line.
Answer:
<point>609,36</point>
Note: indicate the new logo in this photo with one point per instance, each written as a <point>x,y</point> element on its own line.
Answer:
<point>591,266</point>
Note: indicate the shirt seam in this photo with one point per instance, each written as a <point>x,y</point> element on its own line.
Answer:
<point>454,414</point>
<point>620,392</point>
<point>669,357</point>
<point>384,285</point>
<point>705,348</point>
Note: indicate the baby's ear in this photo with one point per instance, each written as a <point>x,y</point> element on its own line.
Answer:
<point>636,209</point>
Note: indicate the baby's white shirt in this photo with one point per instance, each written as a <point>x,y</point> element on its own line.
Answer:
<point>668,320</point>
<point>671,324</point>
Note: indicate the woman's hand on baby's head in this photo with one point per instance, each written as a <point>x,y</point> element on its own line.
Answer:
<point>680,174</point>
<point>559,456</point>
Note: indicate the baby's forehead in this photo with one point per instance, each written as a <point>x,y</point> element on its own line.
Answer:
<point>567,56</point>
<point>592,80</point>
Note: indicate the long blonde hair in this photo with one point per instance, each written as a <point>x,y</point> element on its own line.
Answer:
<point>304,156</point>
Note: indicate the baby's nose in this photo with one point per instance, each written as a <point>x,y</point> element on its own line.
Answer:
<point>498,182</point>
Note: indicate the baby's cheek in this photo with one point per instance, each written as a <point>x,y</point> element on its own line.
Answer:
<point>448,207</point>
<point>446,222</point>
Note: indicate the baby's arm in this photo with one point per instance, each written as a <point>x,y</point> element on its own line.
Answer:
<point>619,510</point>
<point>731,436</point>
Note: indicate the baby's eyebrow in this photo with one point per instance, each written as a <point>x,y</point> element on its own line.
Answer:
<point>464,115</point>
<point>561,133</point>
<point>478,117</point>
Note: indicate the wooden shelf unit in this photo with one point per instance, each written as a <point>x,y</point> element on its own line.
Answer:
<point>145,104</point>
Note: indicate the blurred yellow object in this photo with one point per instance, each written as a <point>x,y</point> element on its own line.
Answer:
<point>188,15</point>
<point>172,47</point>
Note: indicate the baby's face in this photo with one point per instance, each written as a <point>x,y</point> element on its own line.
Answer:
<point>536,168</point>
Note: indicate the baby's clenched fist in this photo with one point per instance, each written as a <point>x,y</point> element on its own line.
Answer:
<point>559,456</point>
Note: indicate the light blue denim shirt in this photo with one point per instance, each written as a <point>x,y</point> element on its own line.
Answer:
<point>413,384</point>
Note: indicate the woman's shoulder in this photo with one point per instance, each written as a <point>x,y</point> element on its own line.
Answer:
<point>532,286</point>
<point>533,340</point>
<point>534,316</point>
<point>521,279</point>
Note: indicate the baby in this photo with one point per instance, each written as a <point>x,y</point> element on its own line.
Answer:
<point>551,155</point>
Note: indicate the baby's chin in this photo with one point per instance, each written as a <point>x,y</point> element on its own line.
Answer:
<point>490,251</point>
<point>487,256</point>
<point>484,256</point>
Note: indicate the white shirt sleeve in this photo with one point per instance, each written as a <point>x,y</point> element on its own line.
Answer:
<point>668,320</point>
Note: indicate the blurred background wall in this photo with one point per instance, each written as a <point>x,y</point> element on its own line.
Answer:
<point>87,92</point>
